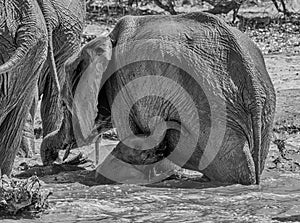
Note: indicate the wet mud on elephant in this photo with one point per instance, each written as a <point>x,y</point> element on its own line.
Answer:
<point>186,87</point>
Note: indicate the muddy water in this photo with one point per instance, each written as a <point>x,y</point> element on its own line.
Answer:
<point>185,199</point>
<point>277,199</point>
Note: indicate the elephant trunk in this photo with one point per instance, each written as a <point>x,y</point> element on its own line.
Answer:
<point>60,139</point>
<point>26,37</point>
<point>141,149</point>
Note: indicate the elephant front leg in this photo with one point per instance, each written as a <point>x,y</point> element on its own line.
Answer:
<point>11,131</point>
<point>27,148</point>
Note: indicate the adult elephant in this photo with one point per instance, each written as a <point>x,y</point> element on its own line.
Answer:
<point>28,50</point>
<point>64,21</point>
<point>23,51</point>
<point>186,87</point>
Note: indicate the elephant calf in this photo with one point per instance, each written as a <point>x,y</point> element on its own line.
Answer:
<point>186,87</point>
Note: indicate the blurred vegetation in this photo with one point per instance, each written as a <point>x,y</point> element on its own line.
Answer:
<point>215,6</point>
<point>272,24</point>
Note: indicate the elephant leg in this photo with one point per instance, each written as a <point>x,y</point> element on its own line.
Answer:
<point>51,108</point>
<point>234,162</point>
<point>27,148</point>
<point>11,131</point>
<point>51,111</point>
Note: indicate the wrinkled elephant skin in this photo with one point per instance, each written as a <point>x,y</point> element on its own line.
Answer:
<point>190,69</point>
<point>36,38</point>
<point>23,51</point>
<point>64,21</point>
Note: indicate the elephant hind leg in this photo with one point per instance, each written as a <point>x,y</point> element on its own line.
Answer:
<point>234,162</point>
<point>51,111</point>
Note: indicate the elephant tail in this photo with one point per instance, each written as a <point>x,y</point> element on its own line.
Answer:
<point>52,22</point>
<point>256,146</point>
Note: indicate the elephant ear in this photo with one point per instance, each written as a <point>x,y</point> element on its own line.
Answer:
<point>85,72</point>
